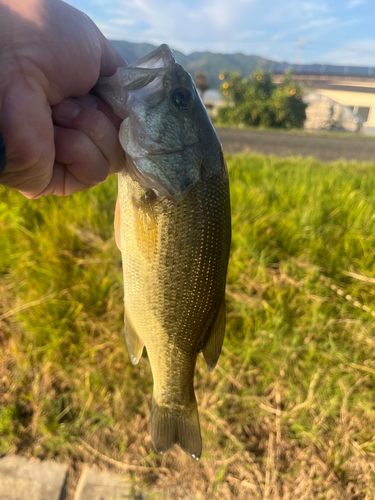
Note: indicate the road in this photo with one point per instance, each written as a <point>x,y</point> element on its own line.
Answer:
<point>323,147</point>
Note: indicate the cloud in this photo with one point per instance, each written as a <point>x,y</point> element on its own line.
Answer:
<point>356,53</point>
<point>315,8</point>
<point>267,28</point>
<point>217,25</point>
<point>249,35</point>
<point>355,3</point>
<point>197,25</point>
<point>122,22</point>
<point>295,11</point>
<point>219,14</point>
<point>318,23</point>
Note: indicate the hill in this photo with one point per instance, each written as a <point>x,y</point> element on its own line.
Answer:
<point>211,63</point>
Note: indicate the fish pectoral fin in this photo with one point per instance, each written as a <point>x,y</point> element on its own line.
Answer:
<point>215,336</point>
<point>133,340</point>
<point>181,427</point>
<point>117,225</point>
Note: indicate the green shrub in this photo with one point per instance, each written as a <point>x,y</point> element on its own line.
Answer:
<point>259,102</point>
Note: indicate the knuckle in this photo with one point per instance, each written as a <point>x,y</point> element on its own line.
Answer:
<point>27,147</point>
<point>92,122</point>
<point>29,166</point>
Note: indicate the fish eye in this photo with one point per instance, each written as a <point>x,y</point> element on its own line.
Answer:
<point>181,98</point>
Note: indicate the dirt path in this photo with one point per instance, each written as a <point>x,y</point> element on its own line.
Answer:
<point>289,144</point>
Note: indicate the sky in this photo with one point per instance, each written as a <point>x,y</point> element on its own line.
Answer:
<point>330,31</point>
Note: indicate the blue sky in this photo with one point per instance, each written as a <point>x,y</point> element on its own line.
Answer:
<point>334,31</point>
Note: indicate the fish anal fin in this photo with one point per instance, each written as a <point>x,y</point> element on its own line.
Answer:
<point>133,340</point>
<point>117,225</point>
<point>181,427</point>
<point>214,338</point>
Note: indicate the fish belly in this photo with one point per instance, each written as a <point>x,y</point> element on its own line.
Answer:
<point>174,262</point>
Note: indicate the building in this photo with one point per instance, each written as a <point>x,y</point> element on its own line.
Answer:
<point>350,86</point>
<point>213,99</point>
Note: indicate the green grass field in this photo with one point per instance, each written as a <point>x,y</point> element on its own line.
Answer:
<point>289,413</point>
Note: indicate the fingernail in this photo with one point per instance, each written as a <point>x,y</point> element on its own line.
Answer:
<point>67,110</point>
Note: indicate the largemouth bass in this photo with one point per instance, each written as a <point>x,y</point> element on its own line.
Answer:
<point>173,229</point>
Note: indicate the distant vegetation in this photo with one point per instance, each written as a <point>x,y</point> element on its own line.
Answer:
<point>257,101</point>
<point>211,63</point>
<point>201,82</point>
<point>290,410</point>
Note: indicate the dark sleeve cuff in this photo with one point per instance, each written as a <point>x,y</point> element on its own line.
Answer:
<point>2,154</point>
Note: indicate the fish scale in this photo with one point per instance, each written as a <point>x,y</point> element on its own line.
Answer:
<point>174,220</point>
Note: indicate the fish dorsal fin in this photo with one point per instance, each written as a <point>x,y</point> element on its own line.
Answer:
<point>133,340</point>
<point>117,225</point>
<point>215,336</point>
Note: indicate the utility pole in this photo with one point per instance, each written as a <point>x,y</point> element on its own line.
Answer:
<point>299,51</point>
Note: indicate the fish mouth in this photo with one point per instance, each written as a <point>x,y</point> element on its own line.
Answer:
<point>171,174</point>
<point>163,152</point>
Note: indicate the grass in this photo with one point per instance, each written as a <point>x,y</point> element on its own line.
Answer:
<point>289,413</point>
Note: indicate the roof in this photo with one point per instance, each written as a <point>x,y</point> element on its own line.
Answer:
<point>324,69</point>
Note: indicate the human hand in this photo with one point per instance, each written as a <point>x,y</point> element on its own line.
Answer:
<point>59,139</point>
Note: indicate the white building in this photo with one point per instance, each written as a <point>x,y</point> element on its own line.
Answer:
<point>353,87</point>
<point>213,99</point>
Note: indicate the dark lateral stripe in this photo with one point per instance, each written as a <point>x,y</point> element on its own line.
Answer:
<point>2,154</point>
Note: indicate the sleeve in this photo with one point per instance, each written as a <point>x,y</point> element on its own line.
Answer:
<point>2,154</point>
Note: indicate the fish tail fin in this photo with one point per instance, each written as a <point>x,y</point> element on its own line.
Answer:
<point>170,427</point>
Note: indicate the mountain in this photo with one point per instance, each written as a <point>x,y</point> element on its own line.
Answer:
<point>207,62</point>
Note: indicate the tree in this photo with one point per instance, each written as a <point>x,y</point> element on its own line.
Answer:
<point>259,102</point>
<point>290,110</point>
<point>201,82</point>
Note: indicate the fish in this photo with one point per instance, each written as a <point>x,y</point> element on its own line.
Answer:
<point>173,227</point>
